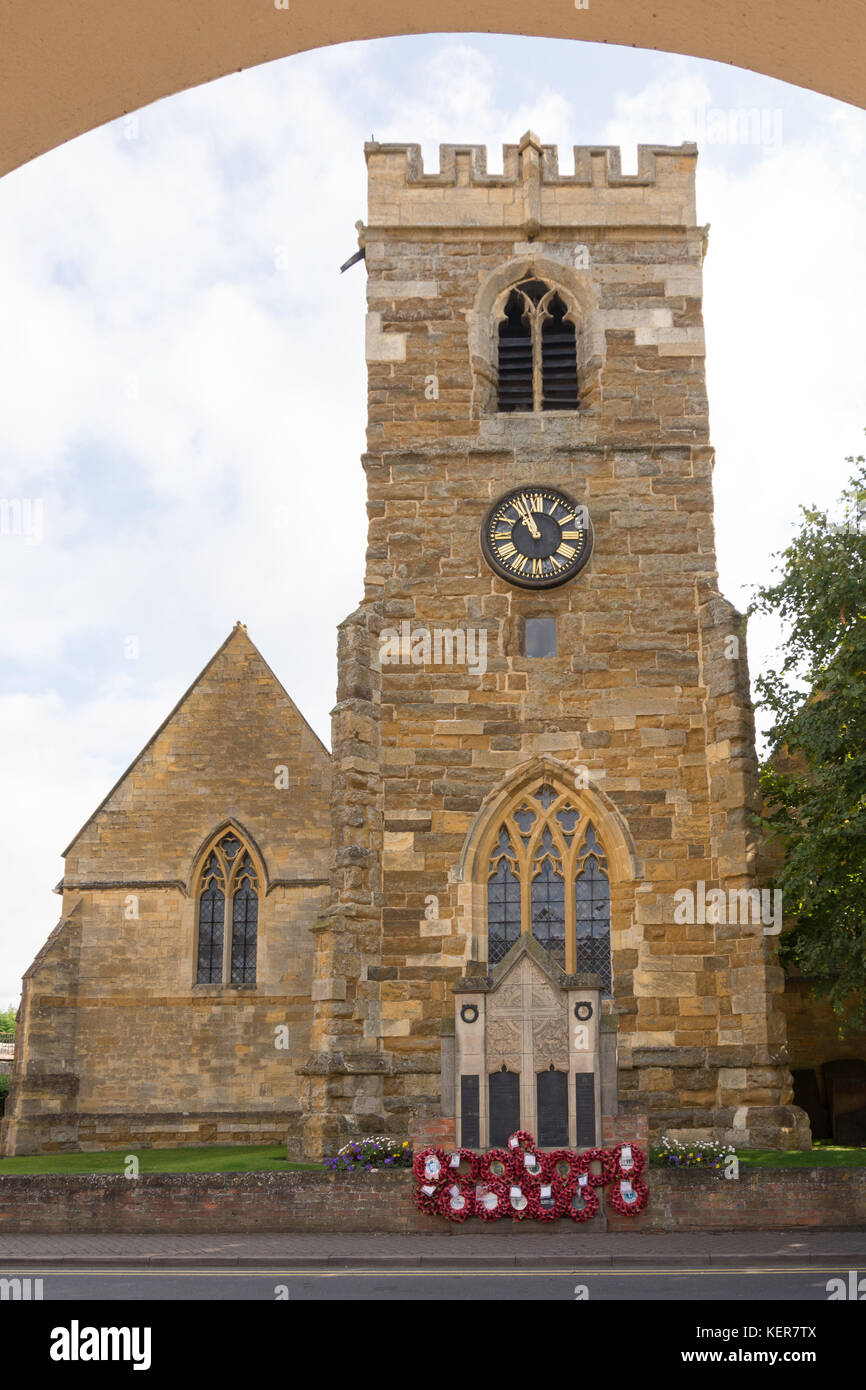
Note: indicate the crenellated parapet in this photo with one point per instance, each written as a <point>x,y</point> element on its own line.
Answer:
<point>531,192</point>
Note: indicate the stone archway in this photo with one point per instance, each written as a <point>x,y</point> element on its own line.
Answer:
<point>510,1017</point>
<point>65,69</point>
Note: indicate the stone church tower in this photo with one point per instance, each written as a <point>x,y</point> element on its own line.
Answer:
<point>473,915</point>
<point>510,833</point>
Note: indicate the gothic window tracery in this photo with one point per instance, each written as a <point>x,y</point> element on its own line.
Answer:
<point>228,876</point>
<point>548,876</point>
<point>537,351</point>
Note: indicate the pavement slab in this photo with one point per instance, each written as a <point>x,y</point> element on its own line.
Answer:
<point>489,1247</point>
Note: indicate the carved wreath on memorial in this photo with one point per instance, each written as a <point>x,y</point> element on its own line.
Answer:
<point>523,1183</point>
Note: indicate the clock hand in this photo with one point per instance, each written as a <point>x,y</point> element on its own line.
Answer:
<point>529,519</point>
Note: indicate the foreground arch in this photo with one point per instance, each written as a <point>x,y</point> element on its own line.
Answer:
<point>66,68</point>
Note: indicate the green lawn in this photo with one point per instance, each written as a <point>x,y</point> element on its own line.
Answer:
<point>217,1158</point>
<point>821,1156</point>
<point>259,1158</point>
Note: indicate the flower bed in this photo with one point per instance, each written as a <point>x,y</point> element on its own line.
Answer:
<point>375,1152</point>
<point>708,1156</point>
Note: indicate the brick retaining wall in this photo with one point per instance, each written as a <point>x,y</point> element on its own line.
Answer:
<point>762,1199</point>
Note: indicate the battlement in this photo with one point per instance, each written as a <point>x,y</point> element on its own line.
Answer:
<point>530,192</point>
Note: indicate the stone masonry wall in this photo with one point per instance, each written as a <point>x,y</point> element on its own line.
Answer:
<point>117,1042</point>
<point>641,694</point>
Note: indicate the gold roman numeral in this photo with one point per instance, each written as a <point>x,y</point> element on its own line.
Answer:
<point>519,564</point>
<point>572,535</point>
<point>537,567</point>
<point>502,535</point>
<point>567,550</point>
<point>507,550</point>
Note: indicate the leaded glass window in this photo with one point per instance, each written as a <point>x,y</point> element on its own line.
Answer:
<point>211,911</point>
<point>548,898</point>
<point>592,917</point>
<point>245,917</point>
<point>503,900</point>
<point>547,875</point>
<point>229,876</point>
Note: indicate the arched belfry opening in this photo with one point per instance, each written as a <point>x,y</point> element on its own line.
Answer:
<point>537,350</point>
<point>536,342</point>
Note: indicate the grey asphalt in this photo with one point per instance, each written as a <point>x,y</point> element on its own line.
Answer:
<point>495,1246</point>
<point>436,1285</point>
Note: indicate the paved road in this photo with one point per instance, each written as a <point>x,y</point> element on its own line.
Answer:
<point>464,1264</point>
<point>524,1284</point>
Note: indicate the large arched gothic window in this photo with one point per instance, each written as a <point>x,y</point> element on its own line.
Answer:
<point>226,949</point>
<point>537,351</point>
<point>547,875</point>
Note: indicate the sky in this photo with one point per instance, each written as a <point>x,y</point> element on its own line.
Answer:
<point>181,366</point>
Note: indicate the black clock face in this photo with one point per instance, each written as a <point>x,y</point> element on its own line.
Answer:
<point>536,537</point>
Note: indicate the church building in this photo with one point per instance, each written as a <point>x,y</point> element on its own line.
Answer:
<point>523,887</point>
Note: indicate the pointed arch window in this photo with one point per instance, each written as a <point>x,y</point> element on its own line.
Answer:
<point>537,351</point>
<point>548,876</point>
<point>226,947</point>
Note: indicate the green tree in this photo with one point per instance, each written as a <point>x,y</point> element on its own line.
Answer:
<point>814,781</point>
<point>7,1020</point>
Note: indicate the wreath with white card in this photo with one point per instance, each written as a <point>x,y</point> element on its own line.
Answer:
<point>525,1184</point>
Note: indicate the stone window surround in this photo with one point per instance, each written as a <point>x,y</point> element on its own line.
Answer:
<point>247,847</point>
<point>555,268</point>
<point>469,875</point>
<point>527,852</point>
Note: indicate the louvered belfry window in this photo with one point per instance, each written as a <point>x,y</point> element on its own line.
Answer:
<point>226,952</point>
<point>515,355</point>
<point>537,351</point>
